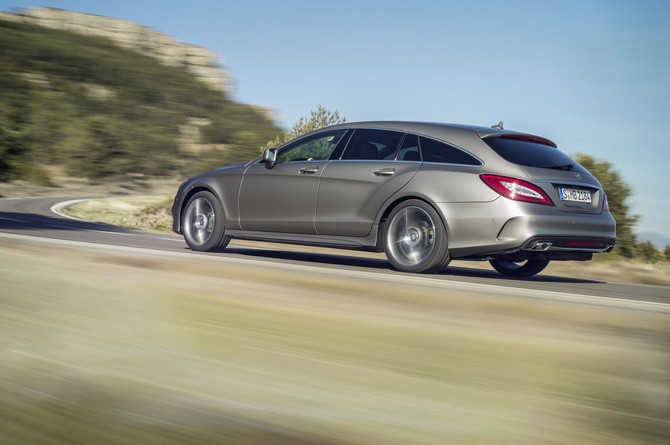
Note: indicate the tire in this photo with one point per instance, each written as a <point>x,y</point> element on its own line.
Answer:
<point>520,269</point>
<point>204,223</point>
<point>415,239</point>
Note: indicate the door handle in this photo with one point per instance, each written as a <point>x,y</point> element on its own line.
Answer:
<point>384,172</point>
<point>309,170</point>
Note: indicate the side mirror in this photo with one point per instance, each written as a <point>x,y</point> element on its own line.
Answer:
<point>269,157</point>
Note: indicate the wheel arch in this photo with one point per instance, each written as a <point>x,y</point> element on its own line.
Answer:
<point>200,187</point>
<point>393,203</point>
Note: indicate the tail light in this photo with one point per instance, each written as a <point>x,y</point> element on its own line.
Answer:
<point>516,189</point>
<point>606,206</point>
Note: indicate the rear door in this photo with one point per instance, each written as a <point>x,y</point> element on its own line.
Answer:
<point>373,167</point>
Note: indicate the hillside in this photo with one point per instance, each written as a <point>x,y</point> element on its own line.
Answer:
<point>99,111</point>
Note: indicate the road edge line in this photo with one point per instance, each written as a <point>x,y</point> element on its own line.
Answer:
<point>621,303</point>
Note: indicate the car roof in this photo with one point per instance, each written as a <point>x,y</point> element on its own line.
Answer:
<point>437,130</point>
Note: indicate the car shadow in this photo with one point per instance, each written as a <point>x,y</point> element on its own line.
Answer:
<point>310,257</point>
<point>492,274</point>
<point>344,261</point>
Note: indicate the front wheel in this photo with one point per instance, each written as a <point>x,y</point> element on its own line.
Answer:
<point>415,239</point>
<point>519,269</point>
<point>204,223</point>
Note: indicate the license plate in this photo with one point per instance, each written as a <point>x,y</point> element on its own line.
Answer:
<point>574,195</point>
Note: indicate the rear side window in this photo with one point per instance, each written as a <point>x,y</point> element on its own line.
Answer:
<point>531,154</point>
<point>435,151</point>
<point>409,151</point>
<point>373,145</point>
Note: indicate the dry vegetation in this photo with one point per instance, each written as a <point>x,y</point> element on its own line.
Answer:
<point>65,185</point>
<point>121,346</point>
<point>139,212</point>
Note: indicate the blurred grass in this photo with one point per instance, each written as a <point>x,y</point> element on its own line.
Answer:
<point>153,213</point>
<point>128,348</point>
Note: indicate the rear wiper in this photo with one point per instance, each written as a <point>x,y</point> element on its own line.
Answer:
<point>567,167</point>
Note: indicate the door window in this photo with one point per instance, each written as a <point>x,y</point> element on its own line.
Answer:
<point>409,151</point>
<point>315,148</point>
<point>373,145</point>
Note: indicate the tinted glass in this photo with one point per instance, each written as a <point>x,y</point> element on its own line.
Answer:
<point>435,151</point>
<point>531,154</point>
<point>315,148</point>
<point>373,144</point>
<point>409,151</point>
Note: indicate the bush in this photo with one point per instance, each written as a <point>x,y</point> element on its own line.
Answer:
<point>648,253</point>
<point>618,191</point>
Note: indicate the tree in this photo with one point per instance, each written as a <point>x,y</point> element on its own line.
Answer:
<point>618,191</point>
<point>648,253</point>
<point>666,253</point>
<point>14,116</point>
<point>319,118</point>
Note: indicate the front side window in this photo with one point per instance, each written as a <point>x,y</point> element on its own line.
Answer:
<point>436,151</point>
<point>315,148</point>
<point>373,145</point>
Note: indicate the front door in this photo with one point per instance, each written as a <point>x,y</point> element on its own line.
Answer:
<point>283,199</point>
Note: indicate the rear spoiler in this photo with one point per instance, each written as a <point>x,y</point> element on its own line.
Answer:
<point>520,137</point>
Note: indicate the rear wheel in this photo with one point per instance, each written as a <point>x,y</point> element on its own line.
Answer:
<point>519,269</point>
<point>204,223</point>
<point>415,239</point>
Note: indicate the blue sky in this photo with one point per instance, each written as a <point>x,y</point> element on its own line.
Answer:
<point>592,75</point>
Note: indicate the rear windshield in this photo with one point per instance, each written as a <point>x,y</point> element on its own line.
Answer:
<point>531,154</point>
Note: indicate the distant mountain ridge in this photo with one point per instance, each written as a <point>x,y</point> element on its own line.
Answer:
<point>202,62</point>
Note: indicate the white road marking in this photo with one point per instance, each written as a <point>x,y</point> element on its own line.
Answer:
<point>88,230</point>
<point>56,208</point>
<point>442,284</point>
<point>10,219</point>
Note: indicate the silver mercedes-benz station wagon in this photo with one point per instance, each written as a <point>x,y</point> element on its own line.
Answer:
<point>423,193</point>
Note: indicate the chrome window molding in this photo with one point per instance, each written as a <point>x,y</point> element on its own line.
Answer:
<point>457,165</point>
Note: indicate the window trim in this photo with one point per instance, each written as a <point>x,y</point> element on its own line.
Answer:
<point>351,130</point>
<point>418,135</point>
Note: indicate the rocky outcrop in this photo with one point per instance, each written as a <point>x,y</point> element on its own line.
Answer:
<point>203,63</point>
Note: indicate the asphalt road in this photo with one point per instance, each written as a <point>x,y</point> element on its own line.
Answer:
<point>36,217</point>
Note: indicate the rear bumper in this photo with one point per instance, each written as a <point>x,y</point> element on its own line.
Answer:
<point>557,249</point>
<point>504,227</point>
